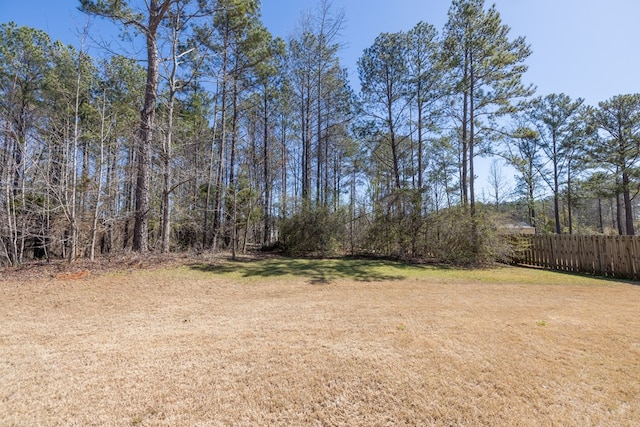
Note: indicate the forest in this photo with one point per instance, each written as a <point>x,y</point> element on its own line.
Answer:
<point>217,136</point>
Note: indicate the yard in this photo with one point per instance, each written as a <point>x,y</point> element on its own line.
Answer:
<point>291,342</point>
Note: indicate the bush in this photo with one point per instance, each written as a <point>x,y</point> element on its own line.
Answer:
<point>396,226</point>
<point>314,231</point>
<point>458,238</point>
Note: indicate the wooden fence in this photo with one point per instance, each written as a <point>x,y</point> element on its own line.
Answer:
<point>612,256</point>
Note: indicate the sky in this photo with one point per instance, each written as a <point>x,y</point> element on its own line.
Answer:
<point>583,48</point>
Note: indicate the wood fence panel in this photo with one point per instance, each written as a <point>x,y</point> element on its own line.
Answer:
<point>630,251</point>
<point>613,256</point>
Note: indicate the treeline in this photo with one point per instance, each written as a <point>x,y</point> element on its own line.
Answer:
<point>224,137</point>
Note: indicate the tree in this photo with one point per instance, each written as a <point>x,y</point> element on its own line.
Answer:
<point>383,71</point>
<point>558,121</point>
<point>617,146</point>
<point>196,163</point>
<point>487,71</point>
<point>301,51</point>
<point>69,92</point>
<point>24,63</point>
<point>442,172</point>
<point>499,188</point>
<point>146,22</point>
<point>601,187</point>
<point>177,19</point>
<point>522,152</point>
<point>268,81</point>
<point>319,84</point>
<point>239,43</point>
<point>285,117</point>
<point>122,80</point>
<point>424,87</point>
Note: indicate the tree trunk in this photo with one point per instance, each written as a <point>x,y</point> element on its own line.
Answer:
<point>166,177</point>
<point>266,239</point>
<point>569,211</point>
<point>283,195</point>
<point>141,227</point>
<point>628,206</point>
<point>306,150</point>
<point>420,148</point>
<point>394,148</point>
<point>73,215</point>
<point>207,201</point>
<point>94,222</point>
<point>219,190</point>
<point>157,11</point>
<point>472,197</point>
<point>465,111</point>
<point>556,186</point>
<point>319,149</point>
<point>600,220</point>
<point>231,216</point>
<point>619,215</point>
<point>167,151</point>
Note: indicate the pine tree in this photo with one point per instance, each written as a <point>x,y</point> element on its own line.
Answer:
<point>617,146</point>
<point>558,121</point>
<point>487,68</point>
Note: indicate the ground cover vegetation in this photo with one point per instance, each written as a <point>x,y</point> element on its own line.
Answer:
<point>222,137</point>
<point>284,341</point>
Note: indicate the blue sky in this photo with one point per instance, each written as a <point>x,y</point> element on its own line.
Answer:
<point>585,48</point>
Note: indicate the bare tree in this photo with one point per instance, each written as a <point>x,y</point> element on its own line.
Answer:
<point>499,188</point>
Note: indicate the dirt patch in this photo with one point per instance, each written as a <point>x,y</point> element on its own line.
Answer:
<point>82,267</point>
<point>185,346</point>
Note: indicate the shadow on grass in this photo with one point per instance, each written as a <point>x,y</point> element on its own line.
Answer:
<point>609,279</point>
<point>318,271</point>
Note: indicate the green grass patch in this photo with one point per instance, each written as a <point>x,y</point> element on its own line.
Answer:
<point>324,271</point>
<point>317,271</point>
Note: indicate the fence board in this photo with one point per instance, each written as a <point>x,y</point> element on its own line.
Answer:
<point>612,256</point>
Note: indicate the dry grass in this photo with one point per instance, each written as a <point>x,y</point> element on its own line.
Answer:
<point>337,343</point>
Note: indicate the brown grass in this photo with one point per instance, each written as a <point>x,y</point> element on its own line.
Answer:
<point>340,343</point>
<point>75,275</point>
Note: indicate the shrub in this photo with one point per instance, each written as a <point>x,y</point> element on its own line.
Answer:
<point>458,238</point>
<point>314,231</point>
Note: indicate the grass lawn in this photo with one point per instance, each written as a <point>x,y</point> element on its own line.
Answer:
<point>291,342</point>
